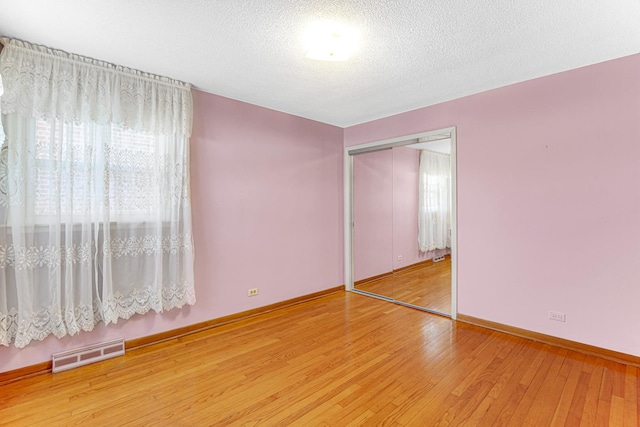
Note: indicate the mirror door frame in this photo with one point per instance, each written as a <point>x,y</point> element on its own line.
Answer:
<point>349,152</point>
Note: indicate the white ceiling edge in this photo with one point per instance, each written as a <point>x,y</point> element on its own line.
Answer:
<point>410,53</point>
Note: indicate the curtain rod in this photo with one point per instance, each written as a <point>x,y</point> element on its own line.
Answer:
<point>92,62</point>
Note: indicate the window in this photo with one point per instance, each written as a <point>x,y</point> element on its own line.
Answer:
<point>434,205</point>
<point>69,174</point>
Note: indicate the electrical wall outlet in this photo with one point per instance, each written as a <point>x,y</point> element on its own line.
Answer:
<point>557,316</point>
<point>399,257</point>
<point>252,292</point>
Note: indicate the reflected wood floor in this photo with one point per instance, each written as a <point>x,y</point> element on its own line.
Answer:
<point>341,360</point>
<point>428,286</point>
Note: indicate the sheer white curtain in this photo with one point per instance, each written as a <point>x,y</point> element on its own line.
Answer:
<point>1,128</point>
<point>434,201</point>
<point>95,216</point>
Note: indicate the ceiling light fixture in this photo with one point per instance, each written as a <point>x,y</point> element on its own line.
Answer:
<point>330,41</point>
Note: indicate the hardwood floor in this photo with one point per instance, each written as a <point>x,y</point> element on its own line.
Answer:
<point>428,286</point>
<point>340,360</point>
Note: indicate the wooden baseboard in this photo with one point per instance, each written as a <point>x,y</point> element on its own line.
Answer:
<point>203,326</point>
<point>591,350</point>
<point>45,367</point>
<point>372,278</point>
<point>26,372</point>
<point>415,266</point>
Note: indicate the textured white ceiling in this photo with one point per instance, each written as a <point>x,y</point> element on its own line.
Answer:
<point>412,53</point>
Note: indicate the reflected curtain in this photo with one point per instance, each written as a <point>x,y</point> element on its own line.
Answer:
<point>95,216</point>
<point>434,201</point>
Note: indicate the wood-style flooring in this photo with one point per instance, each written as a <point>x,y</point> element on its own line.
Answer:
<point>427,286</point>
<point>341,360</point>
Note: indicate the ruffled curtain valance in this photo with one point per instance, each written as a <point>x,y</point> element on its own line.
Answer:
<point>44,83</point>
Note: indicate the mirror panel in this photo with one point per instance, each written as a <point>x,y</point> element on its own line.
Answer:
<point>373,221</point>
<point>386,256</point>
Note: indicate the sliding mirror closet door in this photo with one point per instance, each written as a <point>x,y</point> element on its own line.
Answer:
<point>402,216</point>
<point>373,222</point>
<point>428,277</point>
<point>411,283</point>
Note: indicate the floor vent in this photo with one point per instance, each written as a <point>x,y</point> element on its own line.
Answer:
<point>85,355</point>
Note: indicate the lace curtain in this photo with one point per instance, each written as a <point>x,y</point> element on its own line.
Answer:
<point>95,216</point>
<point>434,201</point>
<point>1,128</point>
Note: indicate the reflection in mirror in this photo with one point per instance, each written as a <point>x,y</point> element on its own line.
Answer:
<point>402,221</point>
<point>372,221</point>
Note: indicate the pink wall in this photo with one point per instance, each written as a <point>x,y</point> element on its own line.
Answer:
<point>548,200</point>
<point>267,211</point>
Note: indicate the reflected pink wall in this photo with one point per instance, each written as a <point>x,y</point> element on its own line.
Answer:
<point>267,211</point>
<point>548,200</point>
<point>385,211</point>
<point>372,214</point>
<point>406,164</point>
